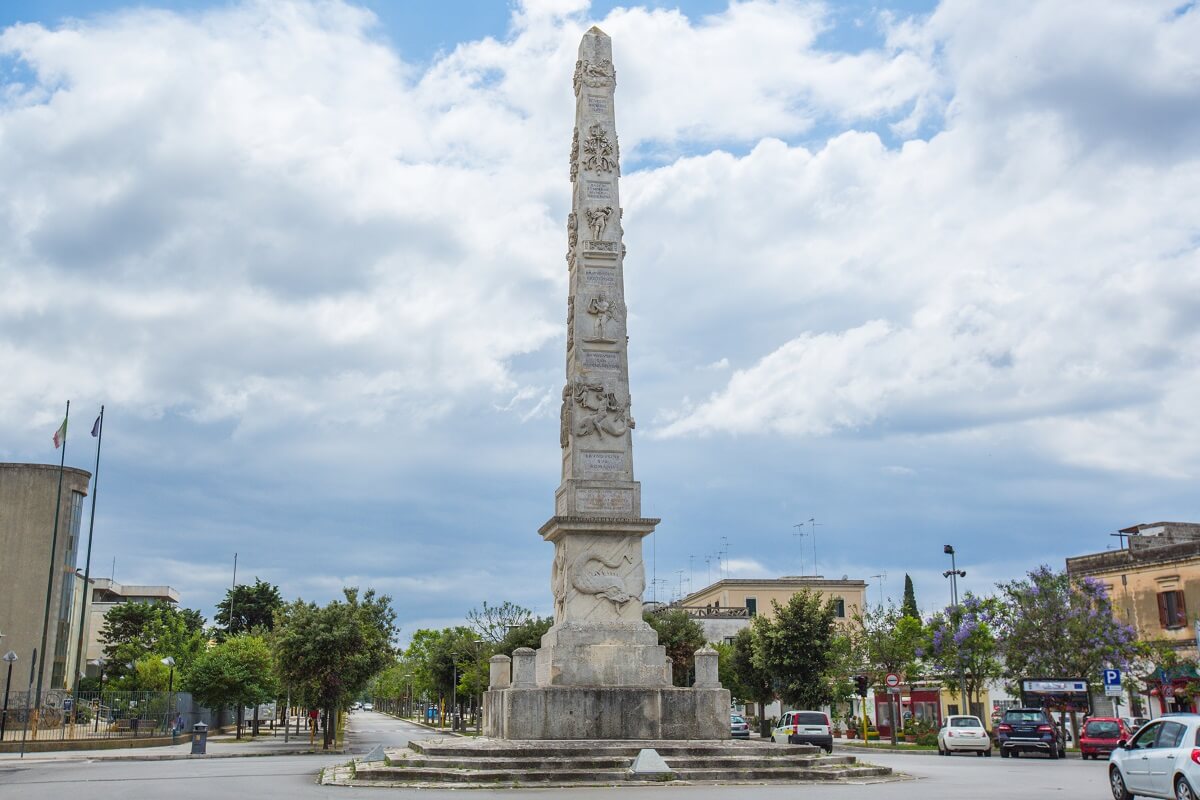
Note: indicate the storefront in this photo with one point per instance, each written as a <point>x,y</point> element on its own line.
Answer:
<point>915,704</point>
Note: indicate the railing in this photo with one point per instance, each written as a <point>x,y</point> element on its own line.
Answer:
<point>60,716</point>
<point>711,612</point>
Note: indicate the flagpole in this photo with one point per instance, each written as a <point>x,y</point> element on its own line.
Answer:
<point>87,567</point>
<point>53,546</point>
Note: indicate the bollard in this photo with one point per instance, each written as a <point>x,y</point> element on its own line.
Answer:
<point>199,739</point>
<point>524,668</point>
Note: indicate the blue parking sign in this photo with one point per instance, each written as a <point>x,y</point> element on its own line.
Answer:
<point>1112,677</point>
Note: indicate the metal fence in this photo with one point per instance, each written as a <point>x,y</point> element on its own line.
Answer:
<point>62,716</point>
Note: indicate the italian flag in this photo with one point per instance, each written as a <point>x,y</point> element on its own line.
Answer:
<point>60,435</point>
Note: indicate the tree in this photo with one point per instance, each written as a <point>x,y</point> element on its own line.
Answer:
<point>795,648</point>
<point>682,636</point>
<point>887,640</point>
<point>329,654</point>
<point>1054,626</point>
<point>133,632</point>
<point>492,623</point>
<point>909,607</point>
<point>750,682</point>
<point>253,608</point>
<point>528,634</point>
<point>963,638</point>
<point>234,672</point>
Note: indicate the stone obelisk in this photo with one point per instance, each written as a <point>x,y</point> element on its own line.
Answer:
<point>600,672</point>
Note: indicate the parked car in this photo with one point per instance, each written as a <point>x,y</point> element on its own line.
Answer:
<point>963,733</point>
<point>804,727</point>
<point>1101,735</point>
<point>738,728</point>
<point>368,707</point>
<point>1135,723</point>
<point>1161,760</point>
<point>1029,730</point>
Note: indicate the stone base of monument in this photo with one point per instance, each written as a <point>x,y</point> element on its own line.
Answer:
<point>626,712</point>
<point>476,763</point>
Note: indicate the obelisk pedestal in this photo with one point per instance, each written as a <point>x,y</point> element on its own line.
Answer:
<point>600,672</point>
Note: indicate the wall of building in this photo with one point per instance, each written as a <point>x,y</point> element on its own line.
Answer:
<point>734,593</point>
<point>27,505</point>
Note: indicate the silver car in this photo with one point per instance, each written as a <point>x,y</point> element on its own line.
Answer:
<point>1161,760</point>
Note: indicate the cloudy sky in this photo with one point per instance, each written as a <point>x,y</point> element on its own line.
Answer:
<point>922,272</point>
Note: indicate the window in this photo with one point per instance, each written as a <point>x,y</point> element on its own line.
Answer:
<point>751,606</point>
<point>965,722</point>
<point>839,606</point>
<point>1171,734</point>
<point>1172,611</point>
<point>1145,738</point>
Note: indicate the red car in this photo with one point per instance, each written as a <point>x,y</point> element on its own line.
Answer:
<point>1101,735</point>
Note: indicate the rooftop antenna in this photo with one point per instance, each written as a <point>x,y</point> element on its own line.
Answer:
<point>800,534</point>
<point>690,574</point>
<point>708,567</point>
<point>812,521</point>
<point>725,550</point>
<point>882,577</point>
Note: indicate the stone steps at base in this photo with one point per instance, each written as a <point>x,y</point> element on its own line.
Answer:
<point>619,762</point>
<point>589,776</point>
<point>468,749</point>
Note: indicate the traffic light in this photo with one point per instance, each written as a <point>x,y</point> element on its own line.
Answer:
<point>860,681</point>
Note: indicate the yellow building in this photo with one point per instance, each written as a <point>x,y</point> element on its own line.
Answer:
<point>1153,581</point>
<point>1154,584</point>
<point>727,605</point>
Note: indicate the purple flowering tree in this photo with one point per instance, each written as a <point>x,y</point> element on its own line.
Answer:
<point>963,638</point>
<point>1053,625</point>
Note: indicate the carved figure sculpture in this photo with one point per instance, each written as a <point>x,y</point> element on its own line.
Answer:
<point>595,75</point>
<point>564,416</point>
<point>605,311</point>
<point>605,412</point>
<point>597,220</point>
<point>597,575</point>
<point>574,155</point>
<point>570,322</point>
<point>558,579</point>
<point>598,152</point>
<point>572,237</point>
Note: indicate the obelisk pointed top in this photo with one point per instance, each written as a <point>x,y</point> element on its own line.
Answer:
<point>595,31</point>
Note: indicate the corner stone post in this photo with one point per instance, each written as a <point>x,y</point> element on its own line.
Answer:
<point>524,668</point>
<point>706,668</point>
<point>500,672</point>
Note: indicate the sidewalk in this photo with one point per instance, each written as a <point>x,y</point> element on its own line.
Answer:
<point>223,746</point>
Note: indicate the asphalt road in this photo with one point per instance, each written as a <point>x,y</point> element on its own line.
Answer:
<point>292,778</point>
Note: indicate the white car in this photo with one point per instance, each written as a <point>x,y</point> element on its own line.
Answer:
<point>368,707</point>
<point>966,734</point>
<point>1161,760</point>
<point>804,727</point>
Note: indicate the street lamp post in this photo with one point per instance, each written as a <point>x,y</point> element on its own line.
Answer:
<point>170,662</point>
<point>11,658</point>
<point>479,686</point>
<point>99,662</point>
<point>454,693</point>
<point>954,573</point>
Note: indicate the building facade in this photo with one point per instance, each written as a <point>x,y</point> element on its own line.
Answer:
<point>106,593</point>
<point>27,508</point>
<point>1154,584</point>
<point>725,607</point>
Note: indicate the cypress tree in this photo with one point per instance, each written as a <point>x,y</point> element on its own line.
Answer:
<point>909,607</point>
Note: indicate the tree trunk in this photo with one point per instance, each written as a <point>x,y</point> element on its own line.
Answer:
<point>240,712</point>
<point>254,724</point>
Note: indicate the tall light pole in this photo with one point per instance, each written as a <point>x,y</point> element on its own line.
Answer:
<point>454,692</point>
<point>954,573</point>
<point>170,662</point>
<point>479,686</point>
<point>10,657</point>
<point>99,662</point>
